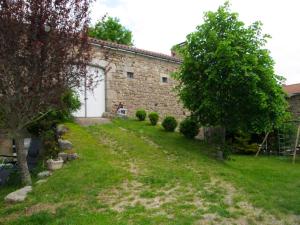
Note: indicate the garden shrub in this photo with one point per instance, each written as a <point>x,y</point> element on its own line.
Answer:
<point>189,127</point>
<point>141,114</point>
<point>45,128</point>
<point>242,143</point>
<point>169,123</point>
<point>153,117</point>
<point>50,143</point>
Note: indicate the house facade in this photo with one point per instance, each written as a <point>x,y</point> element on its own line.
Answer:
<point>293,92</point>
<point>132,77</point>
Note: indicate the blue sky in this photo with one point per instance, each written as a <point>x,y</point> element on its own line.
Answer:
<point>159,24</point>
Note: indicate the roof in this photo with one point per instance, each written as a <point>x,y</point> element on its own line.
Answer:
<point>293,89</point>
<point>134,50</point>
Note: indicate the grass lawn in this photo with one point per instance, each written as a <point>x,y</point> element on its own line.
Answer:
<point>132,173</point>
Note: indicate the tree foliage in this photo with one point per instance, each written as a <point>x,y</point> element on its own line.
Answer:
<point>227,77</point>
<point>110,29</point>
<point>44,51</point>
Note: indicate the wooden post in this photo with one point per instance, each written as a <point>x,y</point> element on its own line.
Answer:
<point>296,144</point>
<point>260,147</point>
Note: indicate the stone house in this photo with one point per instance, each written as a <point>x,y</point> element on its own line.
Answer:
<point>293,92</point>
<point>134,77</point>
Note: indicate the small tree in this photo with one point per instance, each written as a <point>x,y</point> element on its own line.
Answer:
<point>110,29</point>
<point>227,76</point>
<point>43,52</point>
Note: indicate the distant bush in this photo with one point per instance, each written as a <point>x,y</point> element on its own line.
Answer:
<point>153,117</point>
<point>189,127</point>
<point>141,114</point>
<point>169,123</point>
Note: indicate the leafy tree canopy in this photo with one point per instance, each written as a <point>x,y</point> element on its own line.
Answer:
<point>227,77</point>
<point>110,29</point>
<point>44,51</point>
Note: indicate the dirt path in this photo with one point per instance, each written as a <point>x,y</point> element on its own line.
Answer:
<point>231,208</point>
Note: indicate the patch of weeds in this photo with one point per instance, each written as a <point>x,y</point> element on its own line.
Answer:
<point>250,221</point>
<point>259,218</point>
<point>153,181</point>
<point>186,206</point>
<point>236,214</point>
<point>220,210</point>
<point>36,219</point>
<point>160,193</point>
<point>132,210</point>
<point>131,198</point>
<point>147,194</point>
<point>211,196</point>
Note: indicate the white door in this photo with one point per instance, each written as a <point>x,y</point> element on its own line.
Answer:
<point>92,101</point>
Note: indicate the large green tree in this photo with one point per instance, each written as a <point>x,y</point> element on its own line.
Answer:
<point>227,76</point>
<point>110,29</point>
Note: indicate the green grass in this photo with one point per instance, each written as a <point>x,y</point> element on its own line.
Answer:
<point>132,173</point>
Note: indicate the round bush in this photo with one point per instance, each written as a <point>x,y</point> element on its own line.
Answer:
<point>153,117</point>
<point>141,114</point>
<point>189,128</point>
<point>169,123</point>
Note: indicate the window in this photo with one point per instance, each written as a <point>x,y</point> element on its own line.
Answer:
<point>164,80</point>
<point>129,75</point>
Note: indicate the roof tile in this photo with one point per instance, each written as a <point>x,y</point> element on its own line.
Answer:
<point>135,50</point>
<point>292,89</point>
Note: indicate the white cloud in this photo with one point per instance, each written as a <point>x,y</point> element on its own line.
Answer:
<point>159,24</point>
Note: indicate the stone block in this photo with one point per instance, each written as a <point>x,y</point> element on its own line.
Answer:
<point>61,129</point>
<point>19,195</point>
<point>65,144</point>
<point>44,174</point>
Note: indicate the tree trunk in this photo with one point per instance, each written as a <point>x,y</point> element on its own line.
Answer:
<point>22,159</point>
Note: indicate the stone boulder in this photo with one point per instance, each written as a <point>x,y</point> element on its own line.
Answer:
<point>64,156</point>
<point>44,174</point>
<point>19,195</point>
<point>65,144</point>
<point>61,129</point>
<point>72,156</point>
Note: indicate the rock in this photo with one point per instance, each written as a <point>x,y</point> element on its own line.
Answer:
<point>61,129</point>
<point>41,181</point>
<point>64,156</point>
<point>55,164</point>
<point>19,195</point>
<point>73,156</point>
<point>44,174</point>
<point>65,144</point>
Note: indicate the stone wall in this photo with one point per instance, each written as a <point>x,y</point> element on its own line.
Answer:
<point>294,103</point>
<point>145,90</point>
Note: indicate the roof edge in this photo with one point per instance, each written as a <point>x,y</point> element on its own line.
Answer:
<point>125,48</point>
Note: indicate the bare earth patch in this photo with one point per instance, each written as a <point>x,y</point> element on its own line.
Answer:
<point>133,193</point>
